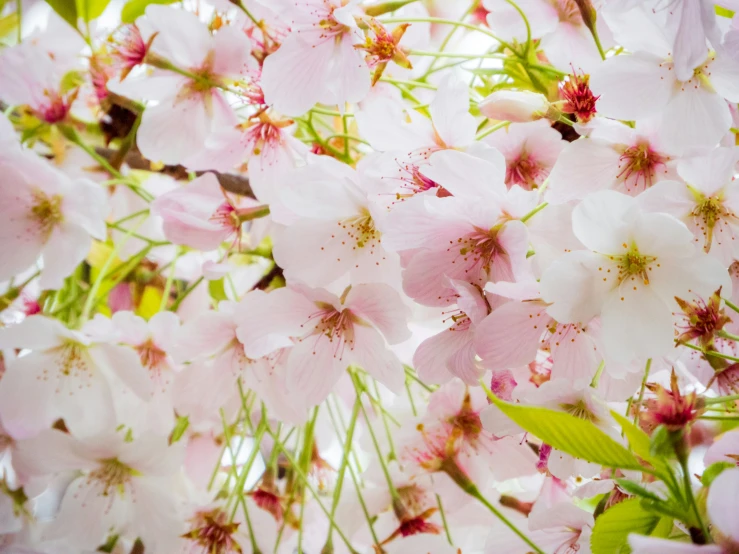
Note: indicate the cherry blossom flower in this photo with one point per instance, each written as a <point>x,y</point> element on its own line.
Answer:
<point>46,214</point>
<point>199,214</point>
<point>336,231</point>
<point>461,238</point>
<point>451,352</point>
<point>332,333</point>
<point>705,202</point>
<point>317,62</point>
<point>530,151</point>
<point>189,99</point>
<point>636,264</point>
<point>124,486</point>
<point>515,105</point>
<point>66,375</point>
<point>618,157</point>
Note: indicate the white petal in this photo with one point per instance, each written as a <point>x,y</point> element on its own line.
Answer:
<point>603,220</point>
<point>65,249</point>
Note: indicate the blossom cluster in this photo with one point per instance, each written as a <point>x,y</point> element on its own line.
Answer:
<point>366,276</point>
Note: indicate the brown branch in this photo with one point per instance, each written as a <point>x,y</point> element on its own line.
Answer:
<point>237,184</point>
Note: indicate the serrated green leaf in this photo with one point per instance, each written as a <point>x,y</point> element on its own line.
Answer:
<point>577,437</point>
<point>613,527</point>
<point>135,8</point>
<point>713,471</point>
<point>67,10</point>
<point>91,9</point>
<point>640,443</point>
<point>636,489</point>
<point>217,290</point>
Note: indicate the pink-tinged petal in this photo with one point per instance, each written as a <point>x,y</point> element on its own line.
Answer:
<point>636,323</point>
<point>232,52</point>
<point>671,197</point>
<point>66,248</point>
<point>651,545</point>
<point>431,359</point>
<point>571,46</point>
<point>726,445</point>
<point>173,131</point>
<point>602,221</point>
<point>76,398</point>
<point>203,387</point>
<point>497,423</point>
<point>721,504</point>
<point>263,316</point>
<point>426,277</point>
<point>384,124</point>
<point>350,77</point>
<point>315,252</point>
<point>513,264</point>
<point>584,166</point>
<point>510,336</point>
<point>22,239</point>
<point>631,87</point>
<point>506,22</point>
<point>527,290</point>
<point>152,455</point>
<point>569,284</point>
<point>50,452</point>
<point>410,225</point>
<point>575,355</point>
<point>467,176</point>
<point>710,173</point>
<point>511,458</point>
<point>313,369</point>
<point>125,363</point>
<point>725,75</point>
<point>383,307</point>
<point>700,275</point>
<point>155,517</point>
<point>164,327</point>
<point>695,118</point>
<point>204,335</point>
<point>26,398</point>
<point>86,515</point>
<point>295,77</point>
<point>87,206</point>
<point>36,332</point>
<point>450,112</point>
<point>270,384</point>
<point>371,353</point>
<point>158,87</point>
<point>181,37</point>
<point>690,48</point>
<point>471,301</point>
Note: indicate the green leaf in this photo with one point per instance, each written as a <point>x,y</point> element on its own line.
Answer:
<point>713,471</point>
<point>724,12</point>
<point>613,527</point>
<point>640,443</point>
<point>636,489</point>
<point>661,443</point>
<point>91,9</point>
<point>577,437</point>
<point>136,8</point>
<point>180,426</point>
<point>217,290</point>
<point>67,10</point>
<point>8,24</point>
<point>386,7</point>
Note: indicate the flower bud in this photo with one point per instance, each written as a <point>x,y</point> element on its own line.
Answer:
<point>515,106</point>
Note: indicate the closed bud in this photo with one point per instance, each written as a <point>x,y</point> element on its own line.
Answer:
<point>515,106</point>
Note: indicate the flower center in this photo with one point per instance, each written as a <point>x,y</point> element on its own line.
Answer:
<point>524,171</point>
<point>113,475</point>
<point>361,229</point>
<point>709,211</point>
<point>213,531</point>
<point>580,410</point>
<point>641,163</point>
<point>567,11</point>
<point>72,359</point>
<point>152,357</point>
<point>46,212</point>
<point>633,264</point>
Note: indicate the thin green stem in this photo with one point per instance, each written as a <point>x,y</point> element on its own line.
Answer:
<point>533,212</point>
<point>443,520</point>
<point>683,459</point>
<point>712,353</point>
<point>641,389</point>
<point>721,399</point>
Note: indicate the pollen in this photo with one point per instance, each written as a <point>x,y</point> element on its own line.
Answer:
<point>113,475</point>
<point>46,212</point>
<point>639,165</point>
